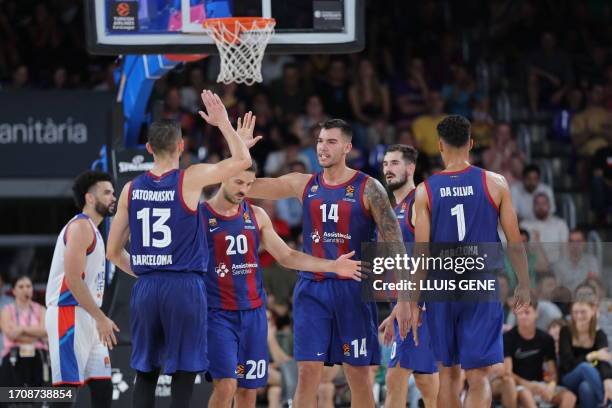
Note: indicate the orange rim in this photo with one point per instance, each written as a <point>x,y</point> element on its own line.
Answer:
<point>248,23</point>
<point>185,57</point>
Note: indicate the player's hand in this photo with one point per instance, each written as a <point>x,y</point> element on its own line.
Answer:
<point>522,296</point>
<point>387,329</point>
<point>245,129</point>
<point>215,114</point>
<point>348,268</point>
<point>106,329</point>
<point>607,390</point>
<point>403,315</point>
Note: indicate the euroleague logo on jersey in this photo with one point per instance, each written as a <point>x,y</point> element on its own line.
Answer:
<point>240,370</point>
<point>221,270</point>
<point>346,349</point>
<point>349,194</point>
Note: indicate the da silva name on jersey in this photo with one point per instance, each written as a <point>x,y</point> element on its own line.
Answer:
<point>461,191</point>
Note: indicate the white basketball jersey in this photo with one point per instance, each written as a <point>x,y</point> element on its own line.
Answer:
<point>58,293</point>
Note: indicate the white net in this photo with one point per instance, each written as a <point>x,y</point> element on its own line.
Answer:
<point>241,44</point>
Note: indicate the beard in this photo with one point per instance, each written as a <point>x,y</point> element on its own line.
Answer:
<point>234,199</point>
<point>106,210</point>
<point>394,185</point>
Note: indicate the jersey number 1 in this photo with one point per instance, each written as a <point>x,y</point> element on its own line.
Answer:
<point>458,211</point>
<point>159,225</point>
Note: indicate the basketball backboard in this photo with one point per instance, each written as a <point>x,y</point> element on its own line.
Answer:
<point>175,26</point>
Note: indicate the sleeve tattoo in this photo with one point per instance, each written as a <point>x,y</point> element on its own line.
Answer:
<point>383,214</point>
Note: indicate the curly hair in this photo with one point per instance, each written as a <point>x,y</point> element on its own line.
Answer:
<point>454,130</point>
<point>84,182</point>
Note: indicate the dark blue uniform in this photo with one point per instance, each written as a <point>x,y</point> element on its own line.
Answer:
<point>419,358</point>
<point>462,210</point>
<point>332,323</point>
<point>237,323</point>
<point>168,304</point>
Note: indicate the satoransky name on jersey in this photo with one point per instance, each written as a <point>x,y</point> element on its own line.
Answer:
<point>151,195</point>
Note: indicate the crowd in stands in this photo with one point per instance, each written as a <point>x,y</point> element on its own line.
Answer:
<point>438,58</point>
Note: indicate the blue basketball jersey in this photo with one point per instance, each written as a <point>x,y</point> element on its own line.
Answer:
<point>234,278</point>
<point>403,212</point>
<point>165,234</point>
<point>462,209</point>
<point>335,220</point>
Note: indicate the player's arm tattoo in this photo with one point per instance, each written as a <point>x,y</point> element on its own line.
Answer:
<point>388,227</point>
<point>382,212</point>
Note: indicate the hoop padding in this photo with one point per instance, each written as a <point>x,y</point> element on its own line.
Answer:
<point>241,42</point>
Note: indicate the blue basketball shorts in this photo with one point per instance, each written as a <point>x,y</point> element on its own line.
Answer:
<point>333,324</point>
<point>238,347</point>
<point>168,322</point>
<point>466,333</point>
<point>406,354</point>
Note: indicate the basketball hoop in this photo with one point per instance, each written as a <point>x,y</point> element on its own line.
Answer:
<point>185,57</point>
<point>241,42</point>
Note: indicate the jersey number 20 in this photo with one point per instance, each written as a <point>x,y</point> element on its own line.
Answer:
<point>238,244</point>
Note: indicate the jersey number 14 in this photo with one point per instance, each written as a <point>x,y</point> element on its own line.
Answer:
<point>331,215</point>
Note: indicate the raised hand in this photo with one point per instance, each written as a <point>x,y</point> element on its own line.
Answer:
<point>245,129</point>
<point>215,114</point>
<point>348,268</point>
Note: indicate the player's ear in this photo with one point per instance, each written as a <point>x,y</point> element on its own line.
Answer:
<point>149,148</point>
<point>410,169</point>
<point>89,198</point>
<point>348,147</point>
<point>181,145</point>
<point>471,143</point>
<point>440,145</point>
